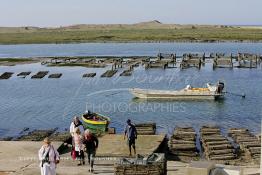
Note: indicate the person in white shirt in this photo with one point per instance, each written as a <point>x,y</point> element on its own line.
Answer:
<point>49,158</point>
<point>76,123</point>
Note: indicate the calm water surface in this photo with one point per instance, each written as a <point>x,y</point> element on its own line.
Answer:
<point>49,103</point>
<point>123,49</point>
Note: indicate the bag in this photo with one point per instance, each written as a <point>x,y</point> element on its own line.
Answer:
<point>73,153</point>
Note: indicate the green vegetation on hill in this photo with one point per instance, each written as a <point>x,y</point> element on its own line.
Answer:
<point>142,32</point>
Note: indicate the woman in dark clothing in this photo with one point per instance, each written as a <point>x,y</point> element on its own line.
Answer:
<point>91,144</point>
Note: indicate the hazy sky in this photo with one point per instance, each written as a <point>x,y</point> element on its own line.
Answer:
<point>67,12</point>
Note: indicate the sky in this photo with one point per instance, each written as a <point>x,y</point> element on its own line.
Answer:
<point>52,13</point>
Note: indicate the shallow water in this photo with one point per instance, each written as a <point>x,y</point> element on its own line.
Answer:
<point>49,103</point>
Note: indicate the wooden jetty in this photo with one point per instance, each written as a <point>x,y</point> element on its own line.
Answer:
<point>249,144</point>
<point>146,128</point>
<point>216,147</point>
<point>6,75</point>
<point>40,75</point>
<point>109,73</point>
<point>57,75</point>
<point>182,144</point>
<point>87,75</point>
<point>23,74</point>
<point>221,61</point>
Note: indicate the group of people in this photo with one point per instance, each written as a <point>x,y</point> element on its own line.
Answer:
<point>81,144</point>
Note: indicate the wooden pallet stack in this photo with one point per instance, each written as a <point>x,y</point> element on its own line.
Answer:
<point>154,164</point>
<point>146,128</point>
<point>249,144</point>
<point>216,146</point>
<point>182,143</point>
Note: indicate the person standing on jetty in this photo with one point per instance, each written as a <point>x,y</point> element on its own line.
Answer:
<point>131,133</point>
<point>49,158</point>
<point>79,147</point>
<point>91,144</point>
<point>76,123</point>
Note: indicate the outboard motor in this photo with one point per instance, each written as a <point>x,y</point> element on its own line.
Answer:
<point>220,87</point>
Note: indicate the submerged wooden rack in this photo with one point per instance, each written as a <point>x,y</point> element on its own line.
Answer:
<point>6,75</point>
<point>109,73</point>
<point>40,75</point>
<point>89,75</point>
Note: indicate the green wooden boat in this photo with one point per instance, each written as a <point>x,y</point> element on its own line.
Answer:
<point>97,123</point>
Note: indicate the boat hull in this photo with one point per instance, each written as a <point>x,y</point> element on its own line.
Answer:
<point>96,126</point>
<point>182,94</point>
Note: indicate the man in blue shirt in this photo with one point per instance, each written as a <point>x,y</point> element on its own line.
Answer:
<point>130,132</point>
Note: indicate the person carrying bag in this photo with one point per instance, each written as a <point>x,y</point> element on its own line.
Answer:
<point>49,158</point>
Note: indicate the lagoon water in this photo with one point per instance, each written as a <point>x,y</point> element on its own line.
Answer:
<point>49,103</point>
<point>124,49</point>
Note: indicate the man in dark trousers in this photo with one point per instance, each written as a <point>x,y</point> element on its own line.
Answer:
<point>91,144</point>
<point>131,133</point>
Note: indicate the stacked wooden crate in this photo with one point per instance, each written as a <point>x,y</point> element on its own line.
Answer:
<point>146,128</point>
<point>154,164</point>
<point>215,145</point>
<point>250,145</point>
<point>182,143</point>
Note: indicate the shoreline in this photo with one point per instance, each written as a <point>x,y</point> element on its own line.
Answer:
<point>137,41</point>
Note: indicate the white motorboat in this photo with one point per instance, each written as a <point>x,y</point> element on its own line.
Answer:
<point>209,92</point>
